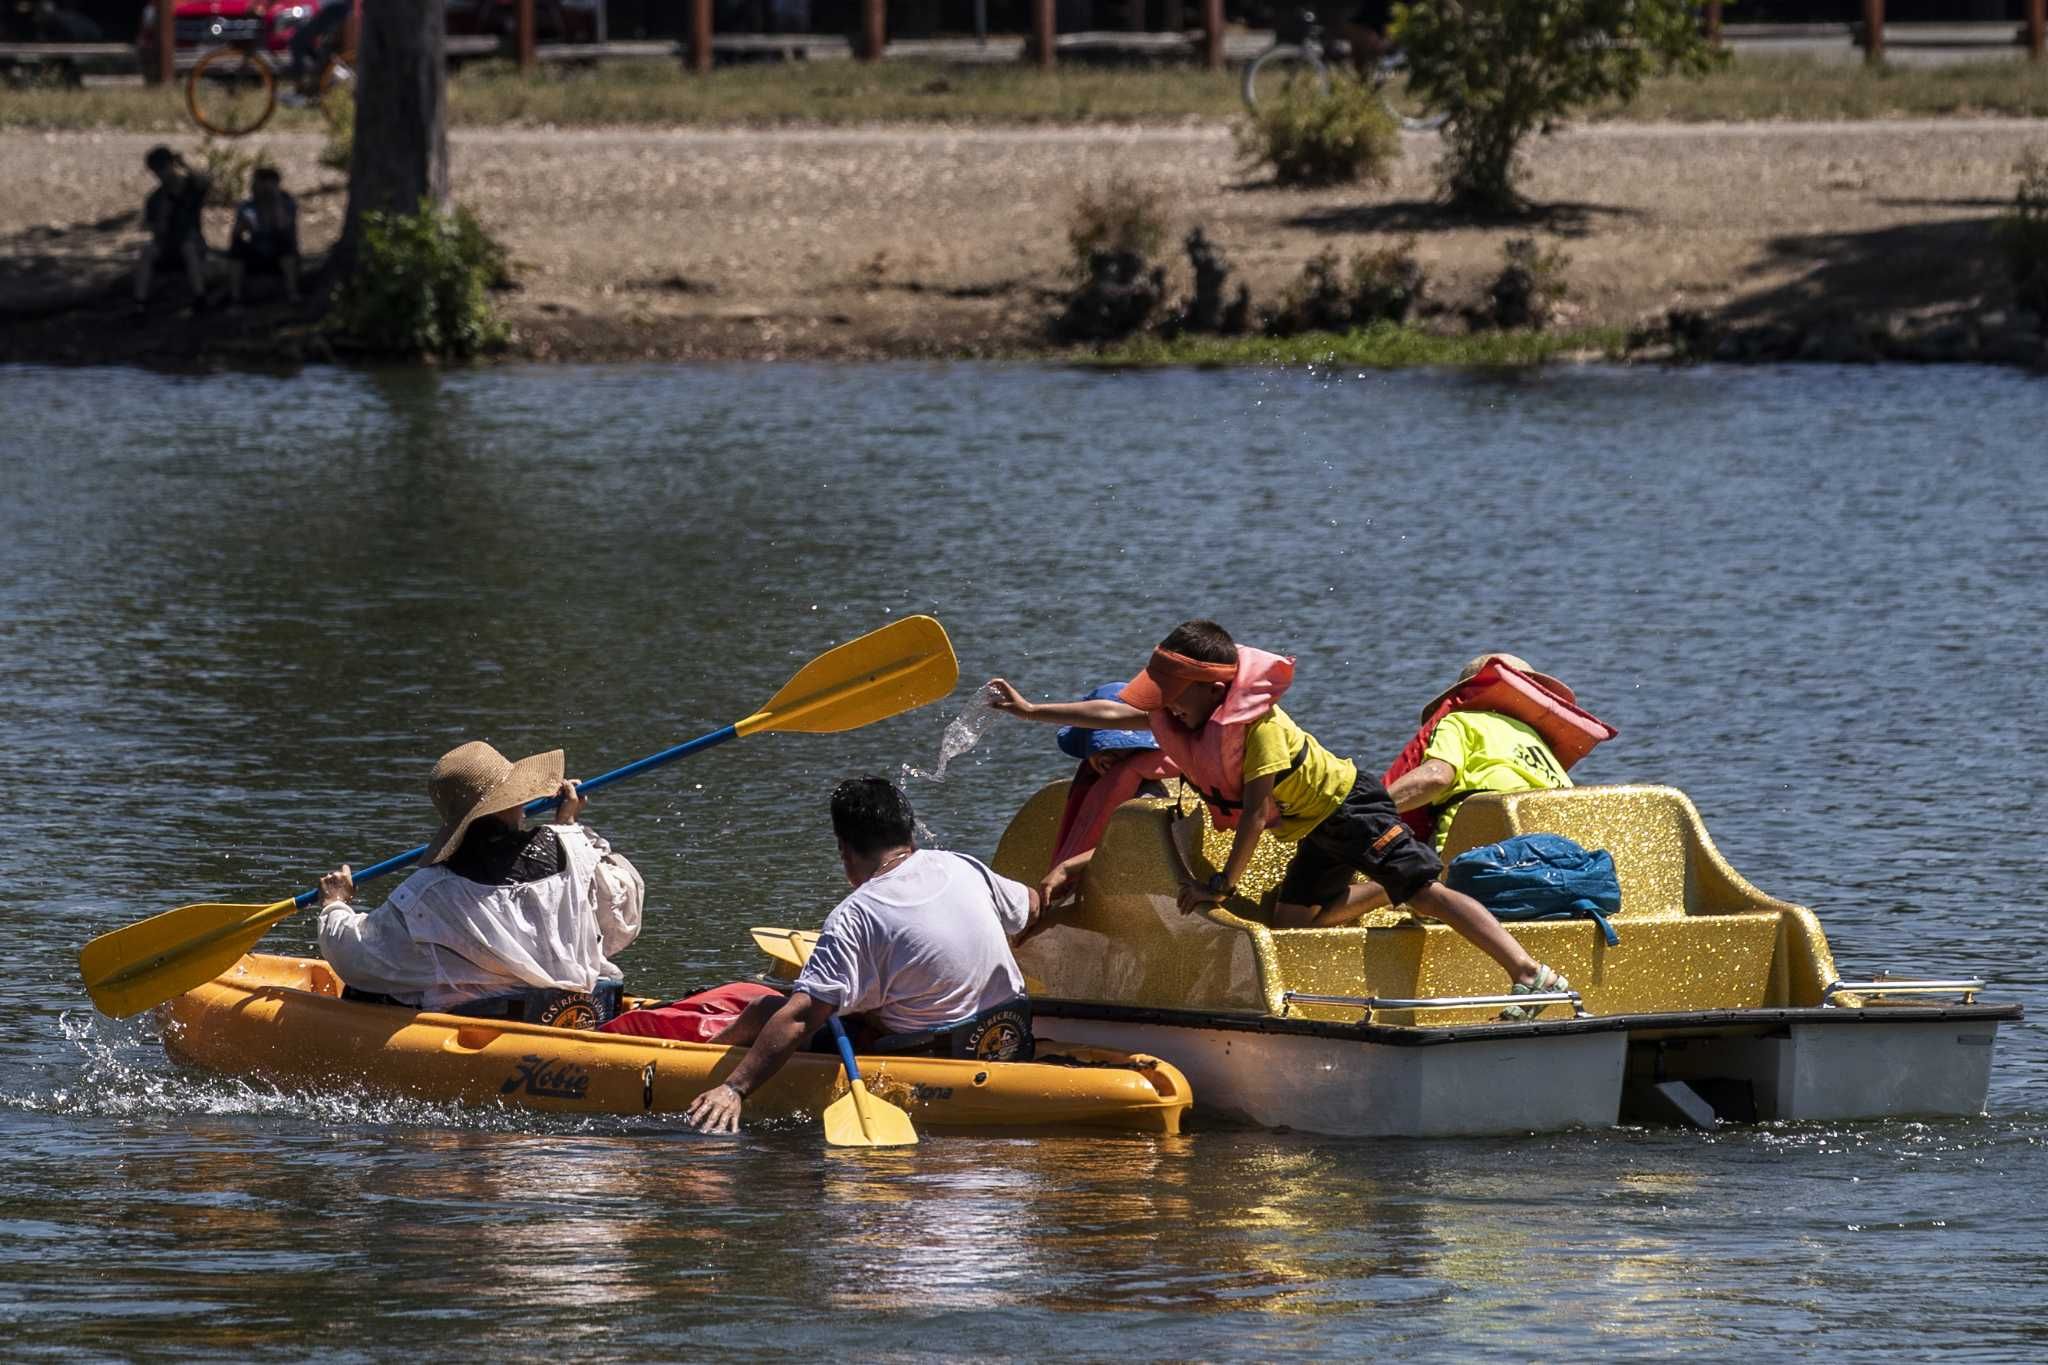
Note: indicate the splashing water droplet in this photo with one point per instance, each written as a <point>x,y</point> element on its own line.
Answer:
<point>963,732</point>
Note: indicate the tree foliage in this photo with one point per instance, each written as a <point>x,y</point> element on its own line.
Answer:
<point>1503,69</point>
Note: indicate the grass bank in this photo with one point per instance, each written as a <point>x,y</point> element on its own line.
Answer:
<point>843,92</point>
<point>1382,347</point>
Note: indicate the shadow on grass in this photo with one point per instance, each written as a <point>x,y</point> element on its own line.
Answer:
<point>1933,265</point>
<point>1566,219</point>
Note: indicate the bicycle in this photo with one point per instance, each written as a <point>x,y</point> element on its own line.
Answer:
<point>1284,64</point>
<point>232,91</point>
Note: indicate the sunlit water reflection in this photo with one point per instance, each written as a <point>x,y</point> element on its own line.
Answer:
<point>241,615</point>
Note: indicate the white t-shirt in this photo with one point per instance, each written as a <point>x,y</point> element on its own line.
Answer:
<point>923,946</point>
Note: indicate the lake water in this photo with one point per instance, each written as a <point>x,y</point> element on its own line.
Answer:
<point>240,616</point>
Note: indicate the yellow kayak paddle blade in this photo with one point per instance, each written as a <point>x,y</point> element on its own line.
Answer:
<point>788,949</point>
<point>859,1119</point>
<point>133,968</point>
<point>884,673</point>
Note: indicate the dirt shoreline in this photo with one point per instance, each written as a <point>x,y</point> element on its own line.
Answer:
<point>1823,241</point>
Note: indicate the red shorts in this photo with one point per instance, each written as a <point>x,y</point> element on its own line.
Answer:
<point>694,1018</point>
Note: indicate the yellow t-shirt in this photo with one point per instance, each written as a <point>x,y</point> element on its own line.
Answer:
<point>1307,795</point>
<point>1489,752</point>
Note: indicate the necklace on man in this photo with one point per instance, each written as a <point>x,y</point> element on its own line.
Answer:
<point>890,864</point>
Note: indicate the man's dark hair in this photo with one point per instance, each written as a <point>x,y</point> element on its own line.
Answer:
<point>158,157</point>
<point>870,814</point>
<point>269,173</point>
<point>1203,640</point>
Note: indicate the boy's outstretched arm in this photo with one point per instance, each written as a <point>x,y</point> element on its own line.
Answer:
<point>1089,715</point>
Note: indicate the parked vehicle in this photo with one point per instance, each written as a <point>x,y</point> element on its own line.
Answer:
<point>267,25</point>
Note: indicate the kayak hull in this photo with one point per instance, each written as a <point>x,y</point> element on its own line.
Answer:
<point>282,1020</point>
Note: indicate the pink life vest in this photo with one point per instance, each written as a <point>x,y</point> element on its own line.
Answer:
<point>1570,732</point>
<point>1094,797</point>
<point>1212,758</point>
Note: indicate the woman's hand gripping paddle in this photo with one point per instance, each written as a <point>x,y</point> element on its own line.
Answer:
<point>881,674</point>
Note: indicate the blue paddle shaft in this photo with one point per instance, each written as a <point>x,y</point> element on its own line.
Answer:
<point>845,1051</point>
<point>541,805</point>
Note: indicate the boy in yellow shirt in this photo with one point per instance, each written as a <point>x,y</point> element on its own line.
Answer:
<point>1213,706</point>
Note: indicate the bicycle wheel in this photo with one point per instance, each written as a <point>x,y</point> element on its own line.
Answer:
<point>1390,83</point>
<point>231,92</point>
<point>1281,68</point>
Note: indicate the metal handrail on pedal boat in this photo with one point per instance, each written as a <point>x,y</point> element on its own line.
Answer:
<point>1967,989</point>
<point>1369,1003</point>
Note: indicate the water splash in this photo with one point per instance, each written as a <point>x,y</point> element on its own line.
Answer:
<point>963,732</point>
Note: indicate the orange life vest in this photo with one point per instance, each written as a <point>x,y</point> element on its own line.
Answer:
<point>1094,797</point>
<point>1570,732</point>
<point>1211,759</point>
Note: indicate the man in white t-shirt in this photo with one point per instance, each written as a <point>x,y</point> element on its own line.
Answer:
<point>923,943</point>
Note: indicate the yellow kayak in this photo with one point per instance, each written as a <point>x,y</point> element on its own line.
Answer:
<point>282,1019</point>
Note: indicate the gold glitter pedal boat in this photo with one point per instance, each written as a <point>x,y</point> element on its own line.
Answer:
<point>1719,1004</point>
<point>282,1019</point>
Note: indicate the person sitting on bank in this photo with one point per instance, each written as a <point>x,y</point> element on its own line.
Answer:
<point>921,946</point>
<point>266,236</point>
<point>1213,705</point>
<point>1501,727</point>
<point>498,909</point>
<point>1115,767</point>
<point>176,235</point>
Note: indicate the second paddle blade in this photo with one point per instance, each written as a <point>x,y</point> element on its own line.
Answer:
<point>884,673</point>
<point>858,1119</point>
<point>130,969</point>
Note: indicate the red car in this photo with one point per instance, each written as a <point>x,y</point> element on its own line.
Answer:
<point>269,23</point>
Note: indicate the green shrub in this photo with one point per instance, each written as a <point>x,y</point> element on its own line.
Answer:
<point>2023,238</point>
<point>421,286</point>
<point>1530,285</point>
<point>1379,286</point>
<point>1503,69</point>
<point>338,112</point>
<point>1309,136</point>
<point>227,169</point>
<point>1118,217</point>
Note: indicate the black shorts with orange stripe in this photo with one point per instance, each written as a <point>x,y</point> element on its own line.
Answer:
<point>1364,834</point>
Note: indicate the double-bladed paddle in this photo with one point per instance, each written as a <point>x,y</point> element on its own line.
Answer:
<point>883,673</point>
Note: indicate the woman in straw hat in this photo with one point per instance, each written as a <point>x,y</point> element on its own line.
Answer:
<point>497,908</point>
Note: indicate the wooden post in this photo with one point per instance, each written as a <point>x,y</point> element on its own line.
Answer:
<point>1173,17</point>
<point>1134,15</point>
<point>874,29</point>
<point>1713,23</point>
<point>167,41</point>
<point>523,37</point>
<point>1212,34</point>
<point>1042,32</point>
<point>2037,30</point>
<point>1873,32</point>
<point>700,36</point>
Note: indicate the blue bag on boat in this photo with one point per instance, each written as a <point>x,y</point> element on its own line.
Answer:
<point>1540,876</point>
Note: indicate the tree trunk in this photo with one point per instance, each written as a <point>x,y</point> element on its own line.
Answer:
<point>401,137</point>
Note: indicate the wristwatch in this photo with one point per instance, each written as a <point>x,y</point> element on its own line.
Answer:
<point>1218,886</point>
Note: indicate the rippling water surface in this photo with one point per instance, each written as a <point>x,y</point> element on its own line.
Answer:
<point>239,617</point>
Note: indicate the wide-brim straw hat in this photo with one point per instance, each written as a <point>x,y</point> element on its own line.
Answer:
<point>1514,661</point>
<point>476,780</point>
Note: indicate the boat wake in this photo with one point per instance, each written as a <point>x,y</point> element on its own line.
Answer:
<point>124,1075</point>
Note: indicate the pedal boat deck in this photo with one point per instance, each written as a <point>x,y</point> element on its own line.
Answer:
<point>1719,1003</point>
